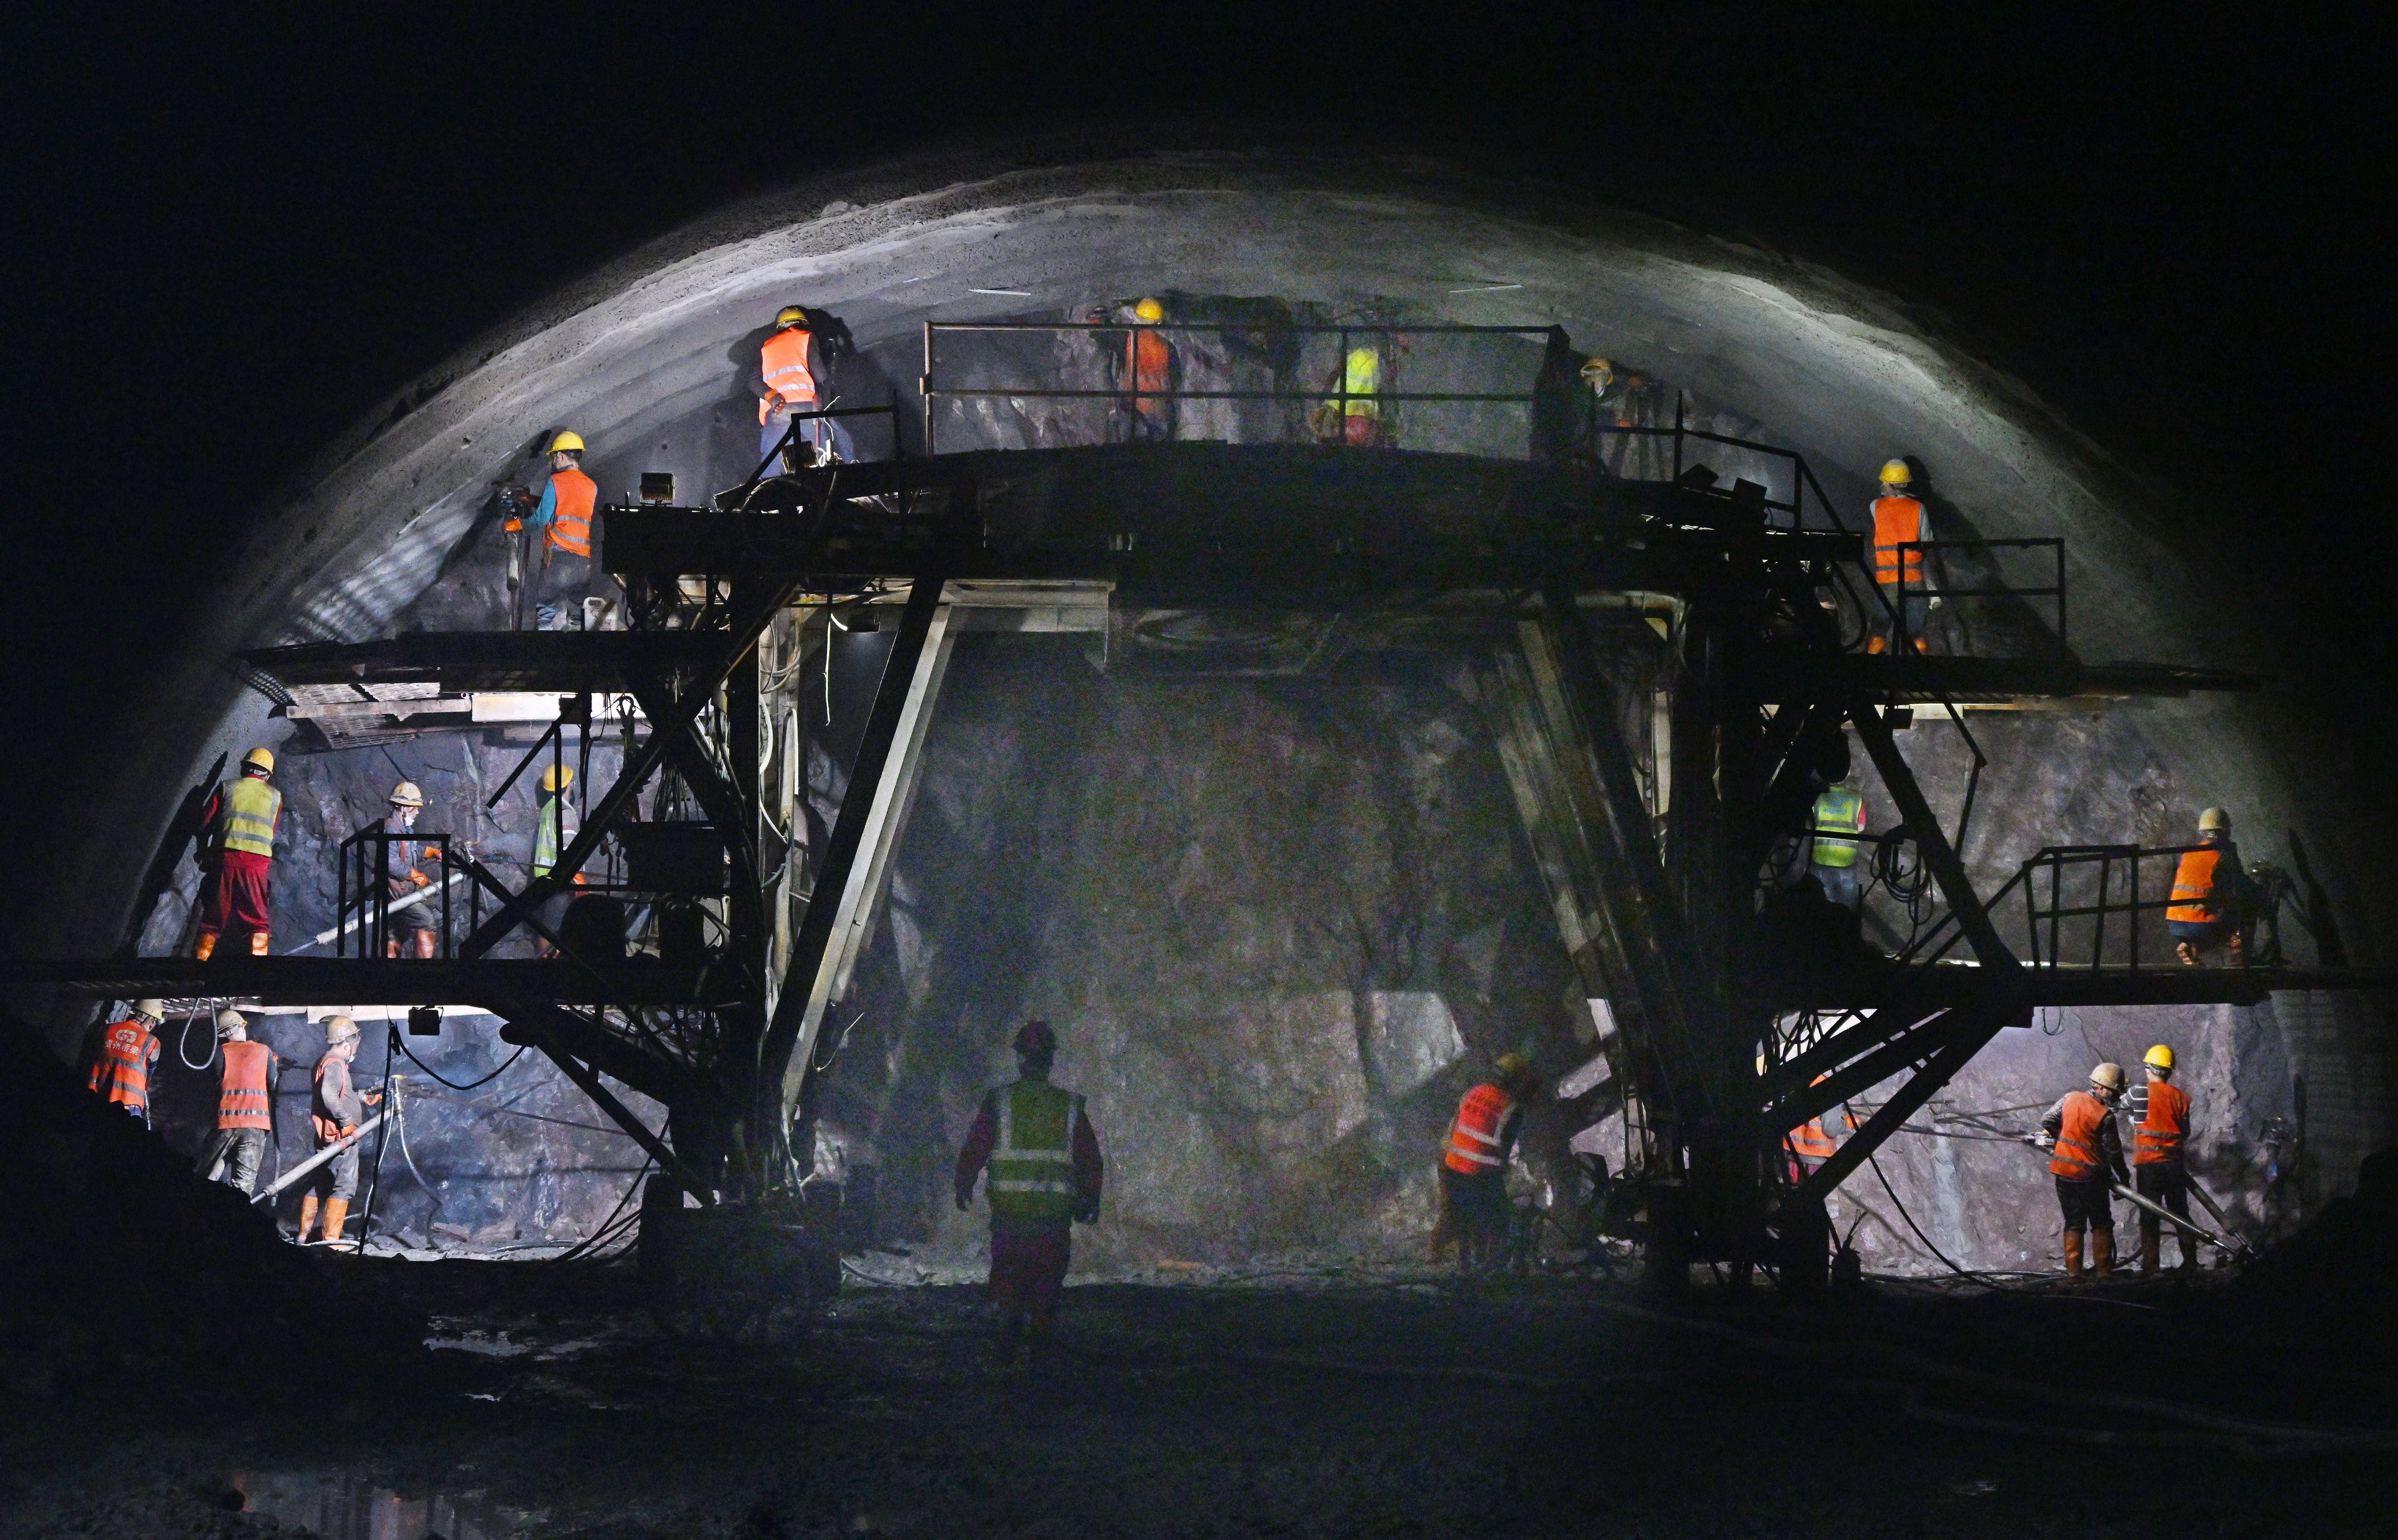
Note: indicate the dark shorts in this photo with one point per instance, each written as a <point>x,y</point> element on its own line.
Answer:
<point>2164,1182</point>
<point>2089,1203</point>
<point>1478,1203</point>
<point>1027,1266</point>
<point>2200,933</point>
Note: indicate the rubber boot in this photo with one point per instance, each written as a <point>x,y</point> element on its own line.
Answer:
<point>2073,1256</point>
<point>1923,646</point>
<point>337,1214</point>
<point>2150,1244</point>
<point>257,943</point>
<point>207,947</point>
<point>1876,644</point>
<point>308,1218</point>
<point>2187,953</point>
<point>2102,1254</point>
<point>424,943</point>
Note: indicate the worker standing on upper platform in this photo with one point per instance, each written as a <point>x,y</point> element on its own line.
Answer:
<point>1356,418</point>
<point>129,1053</point>
<point>562,577</point>
<point>793,369</point>
<point>337,1107</point>
<point>1045,1174</point>
<point>1841,807</point>
<point>2158,1172</point>
<point>2087,1160</point>
<point>237,853</point>
<point>1898,518</point>
<point>245,1105</point>
<point>1474,1157</point>
<point>2205,909</point>
<point>1147,363</point>
<point>402,874</point>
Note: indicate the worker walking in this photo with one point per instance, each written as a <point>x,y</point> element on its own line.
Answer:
<point>237,853</point>
<point>1898,519</point>
<point>246,1073</point>
<point>335,1109</point>
<point>561,579</point>
<point>2205,909</point>
<point>2087,1160</point>
<point>792,367</point>
<point>1045,1174</point>
<point>1842,806</point>
<point>129,1053</point>
<point>2158,1172</point>
<point>1473,1171</point>
<point>403,862</point>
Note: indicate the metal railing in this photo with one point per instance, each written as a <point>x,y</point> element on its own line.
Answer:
<point>1920,584</point>
<point>364,904</point>
<point>2110,861</point>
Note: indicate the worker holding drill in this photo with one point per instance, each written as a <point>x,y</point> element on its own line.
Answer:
<point>237,855</point>
<point>1905,608</point>
<point>793,368</point>
<point>2159,1173</point>
<point>1045,1174</point>
<point>403,875</point>
<point>129,1053</point>
<point>562,577</point>
<point>246,1073</point>
<point>336,1108</point>
<point>1474,1157</point>
<point>2087,1160</point>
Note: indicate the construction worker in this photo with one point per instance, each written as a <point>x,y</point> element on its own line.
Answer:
<point>246,1073</point>
<point>403,875</point>
<point>792,367</point>
<point>1898,518</point>
<point>1473,1158</point>
<point>128,1052</point>
<point>2204,911</point>
<point>1045,1174</point>
<point>562,577</point>
<point>2158,1172</point>
<point>2087,1160</point>
<point>237,853</point>
<point>1355,420</point>
<point>555,826</point>
<point>1841,807</point>
<point>335,1110</point>
<point>1147,363</point>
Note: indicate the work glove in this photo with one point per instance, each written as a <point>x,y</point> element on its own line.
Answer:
<point>420,879</point>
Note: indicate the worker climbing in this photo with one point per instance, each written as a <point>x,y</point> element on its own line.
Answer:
<point>404,859</point>
<point>128,1056</point>
<point>1900,620</point>
<point>336,1106</point>
<point>2159,1145</point>
<point>2207,908</point>
<point>794,365</point>
<point>237,855</point>
<point>1473,1171</point>
<point>2087,1160</point>
<point>562,580</point>
<point>246,1073</point>
<point>1045,1175</point>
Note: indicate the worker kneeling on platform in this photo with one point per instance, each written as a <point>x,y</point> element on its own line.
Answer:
<point>337,1107</point>
<point>1473,1165</point>
<point>2087,1160</point>
<point>2157,1174</point>
<point>2206,908</point>
<point>1045,1174</point>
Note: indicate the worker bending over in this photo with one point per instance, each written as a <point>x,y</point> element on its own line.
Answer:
<point>236,853</point>
<point>2087,1160</point>
<point>1898,518</point>
<point>335,1110</point>
<point>792,367</point>
<point>403,873</point>
<point>129,1053</point>
<point>1473,1164</point>
<point>562,580</point>
<point>246,1073</point>
<point>1046,1173</point>
<point>2157,1174</point>
<point>2204,911</point>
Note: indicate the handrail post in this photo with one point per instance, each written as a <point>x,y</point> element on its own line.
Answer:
<point>924,387</point>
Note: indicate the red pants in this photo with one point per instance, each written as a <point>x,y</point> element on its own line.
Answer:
<point>1028,1268</point>
<point>234,896</point>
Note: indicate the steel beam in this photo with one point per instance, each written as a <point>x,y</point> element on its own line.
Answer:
<point>1942,1068</point>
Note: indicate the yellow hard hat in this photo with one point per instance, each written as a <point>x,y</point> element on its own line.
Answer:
<point>1148,310</point>
<point>1894,473</point>
<point>790,316</point>
<point>1598,372</point>
<point>407,795</point>
<point>2212,819</point>
<point>557,776</point>
<point>2109,1076</point>
<point>569,442</point>
<point>262,758</point>
<point>1511,1069</point>
<point>2159,1057</point>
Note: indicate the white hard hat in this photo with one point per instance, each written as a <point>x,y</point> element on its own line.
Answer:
<point>232,1023</point>
<point>407,795</point>
<point>154,1010</point>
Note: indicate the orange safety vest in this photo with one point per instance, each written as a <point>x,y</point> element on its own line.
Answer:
<point>1473,1148</point>
<point>1810,1140</point>
<point>570,523</point>
<point>2193,879</point>
<point>1152,363</point>
<point>2076,1157</point>
<point>2159,1138</point>
<point>122,1072</point>
<point>1897,520</point>
<point>784,362</point>
<point>241,1104</point>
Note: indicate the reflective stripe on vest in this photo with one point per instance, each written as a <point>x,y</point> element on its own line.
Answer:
<point>1810,1141</point>
<point>783,363</point>
<point>1839,808</point>
<point>2193,879</point>
<point>2163,1127</point>
<point>1475,1144</point>
<point>1363,376</point>
<point>569,521</point>
<point>1897,520</point>
<point>122,1074</point>
<point>1033,1165</point>
<point>2076,1155</point>
<point>248,815</point>
<point>242,1103</point>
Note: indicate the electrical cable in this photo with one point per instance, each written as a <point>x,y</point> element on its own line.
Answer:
<point>183,1040</point>
<point>596,1238</point>
<point>432,1073</point>
<point>382,1132</point>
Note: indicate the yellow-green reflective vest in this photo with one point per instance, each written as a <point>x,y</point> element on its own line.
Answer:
<point>1365,378</point>
<point>1033,1165</point>
<point>556,825</point>
<point>246,815</point>
<point>1839,808</point>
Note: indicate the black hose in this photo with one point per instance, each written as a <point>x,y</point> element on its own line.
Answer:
<point>382,1131</point>
<point>471,1085</point>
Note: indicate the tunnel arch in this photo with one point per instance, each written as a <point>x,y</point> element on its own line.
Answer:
<point>1845,374</point>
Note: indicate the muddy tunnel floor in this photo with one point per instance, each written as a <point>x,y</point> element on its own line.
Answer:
<point>1331,1402</point>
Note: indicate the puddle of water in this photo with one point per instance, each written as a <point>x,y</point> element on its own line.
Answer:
<point>347,1505</point>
